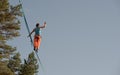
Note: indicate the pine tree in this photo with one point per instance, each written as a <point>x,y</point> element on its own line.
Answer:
<point>9,26</point>
<point>4,70</point>
<point>10,63</point>
<point>15,63</point>
<point>30,65</point>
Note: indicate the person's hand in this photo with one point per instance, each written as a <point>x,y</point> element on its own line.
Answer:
<point>44,23</point>
<point>28,36</point>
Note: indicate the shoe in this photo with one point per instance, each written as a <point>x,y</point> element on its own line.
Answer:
<point>34,48</point>
<point>36,51</point>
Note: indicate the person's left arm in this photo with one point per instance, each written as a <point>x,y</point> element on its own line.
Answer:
<point>44,25</point>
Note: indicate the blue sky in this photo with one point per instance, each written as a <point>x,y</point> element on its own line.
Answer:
<point>81,37</point>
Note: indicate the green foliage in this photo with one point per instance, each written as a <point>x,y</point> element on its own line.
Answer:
<point>14,63</point>
<point>4,70</point>
<point>10,62</point>
<point>9,27</point>
<point>9,22</point>
<point>4,5</point>
<point>30,65</point>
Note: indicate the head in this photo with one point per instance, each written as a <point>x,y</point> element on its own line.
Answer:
<point>37,25</point>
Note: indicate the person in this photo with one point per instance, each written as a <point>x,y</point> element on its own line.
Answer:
<point>37,36</point>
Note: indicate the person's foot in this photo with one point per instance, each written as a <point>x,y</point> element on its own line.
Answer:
<point>34,48</point>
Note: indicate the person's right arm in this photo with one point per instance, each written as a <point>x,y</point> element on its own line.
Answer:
<point>31,32</point>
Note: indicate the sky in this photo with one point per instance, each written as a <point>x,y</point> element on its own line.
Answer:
<point>82,37</point>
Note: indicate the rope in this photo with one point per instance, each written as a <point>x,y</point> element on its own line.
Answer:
<point>30,35</point>
<point>26,21</point>
<point>40,61</point>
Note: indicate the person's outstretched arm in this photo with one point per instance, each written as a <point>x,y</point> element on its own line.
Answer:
<point>43,25</point>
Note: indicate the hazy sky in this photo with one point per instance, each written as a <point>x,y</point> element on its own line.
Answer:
<point>82,37</point>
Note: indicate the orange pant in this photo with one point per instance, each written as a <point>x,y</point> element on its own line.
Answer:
<point>37,41</point>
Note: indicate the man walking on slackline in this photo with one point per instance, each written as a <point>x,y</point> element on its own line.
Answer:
<point>37,36</point>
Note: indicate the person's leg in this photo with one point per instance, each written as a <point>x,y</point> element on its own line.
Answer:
<point>35,43</point>
<point>38,42</point>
